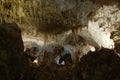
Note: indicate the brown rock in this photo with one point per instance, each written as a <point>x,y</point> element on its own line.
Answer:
<point>12,62</point>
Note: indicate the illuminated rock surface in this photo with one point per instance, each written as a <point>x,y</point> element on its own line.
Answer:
<point>93,20</point>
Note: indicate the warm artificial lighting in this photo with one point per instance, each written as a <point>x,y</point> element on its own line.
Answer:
<point>92,48</point>
<point>35,61</point>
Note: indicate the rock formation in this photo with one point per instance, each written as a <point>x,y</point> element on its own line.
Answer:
<point>101,65</point>
<point>12,62</point>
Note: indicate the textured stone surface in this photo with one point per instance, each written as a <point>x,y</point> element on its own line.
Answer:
<point>101,65</point>
<point>12,63</point>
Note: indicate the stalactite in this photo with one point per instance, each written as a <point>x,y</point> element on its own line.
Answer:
<point>74,35</point>
<point>45,40</point>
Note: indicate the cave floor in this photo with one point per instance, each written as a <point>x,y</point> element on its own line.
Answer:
<point>54,72</point>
